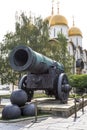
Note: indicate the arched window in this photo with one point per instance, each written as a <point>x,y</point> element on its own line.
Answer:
<point>54,32</point>
<point>61,30</point>
<point>77,42</point>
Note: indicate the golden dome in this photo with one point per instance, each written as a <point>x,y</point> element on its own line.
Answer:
<point>74,31</point>
<point>58,20</point>
<point>47,18</point>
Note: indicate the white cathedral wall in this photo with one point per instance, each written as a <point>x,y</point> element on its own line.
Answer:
<point>70,49</point>
<point>77,40</point>
<point>85,68</point>
<point>84,56</point>
<point>78,54</point>
<point>54,30</point>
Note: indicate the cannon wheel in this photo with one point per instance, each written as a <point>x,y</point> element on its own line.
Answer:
<point>22,85</point>
<point>22,82</point>
<point>62,82</point>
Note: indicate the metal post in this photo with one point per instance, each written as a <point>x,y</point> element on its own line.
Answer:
<point>75,109</point>
<point>0,99</point>
<point>35,110</point>
<point>83,104</point>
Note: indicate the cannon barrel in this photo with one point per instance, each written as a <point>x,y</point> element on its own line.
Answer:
<point>23,58</point>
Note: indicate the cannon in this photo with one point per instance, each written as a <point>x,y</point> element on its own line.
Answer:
<point>42,73</point>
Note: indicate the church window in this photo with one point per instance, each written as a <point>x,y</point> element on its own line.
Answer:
<point>77,42</point>
<point>54,32</point>
<point>61,30</point>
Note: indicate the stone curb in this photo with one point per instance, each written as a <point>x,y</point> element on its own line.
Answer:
<point>23,119</point>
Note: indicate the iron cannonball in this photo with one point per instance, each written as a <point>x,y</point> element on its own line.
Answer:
<point>28,110</point>
<point>18,97</point>
<point>11,112</point>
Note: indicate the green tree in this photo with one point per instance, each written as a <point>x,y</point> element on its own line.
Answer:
<point>34,35</point>
<point>65,57</point>
<point>7,75</point>
<point>60,53</point>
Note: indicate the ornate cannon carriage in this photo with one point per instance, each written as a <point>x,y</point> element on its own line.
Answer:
<point>42,73</point>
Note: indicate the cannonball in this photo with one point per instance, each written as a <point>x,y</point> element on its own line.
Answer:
<point>19,97</point>
<point>28,110</point>
<point>11,112</point>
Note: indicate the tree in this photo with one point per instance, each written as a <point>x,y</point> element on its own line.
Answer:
<point>60,53</point>
<point>7,75</point>
<point>34,35</point>
<point>65,57</point>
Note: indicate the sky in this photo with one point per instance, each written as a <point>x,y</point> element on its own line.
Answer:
<point>43,8</point>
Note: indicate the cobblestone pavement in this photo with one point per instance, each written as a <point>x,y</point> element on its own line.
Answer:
<point>50,123</point>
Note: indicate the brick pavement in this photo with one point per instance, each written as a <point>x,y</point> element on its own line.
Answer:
<point>50,123</point>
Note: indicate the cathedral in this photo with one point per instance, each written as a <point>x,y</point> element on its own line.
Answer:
<point>59,24</point>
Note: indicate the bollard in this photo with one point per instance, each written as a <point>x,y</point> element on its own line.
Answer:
<point>83,104</point>
<point>35,102</point>
<point>0,99</point>
<point>75,109</point>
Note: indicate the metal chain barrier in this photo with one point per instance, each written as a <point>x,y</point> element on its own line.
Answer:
<point>75,105</point>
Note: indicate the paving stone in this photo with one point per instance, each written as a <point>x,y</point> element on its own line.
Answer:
<point>50,123</point>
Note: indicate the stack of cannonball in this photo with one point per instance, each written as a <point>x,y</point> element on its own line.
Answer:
<point>19,106</point>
